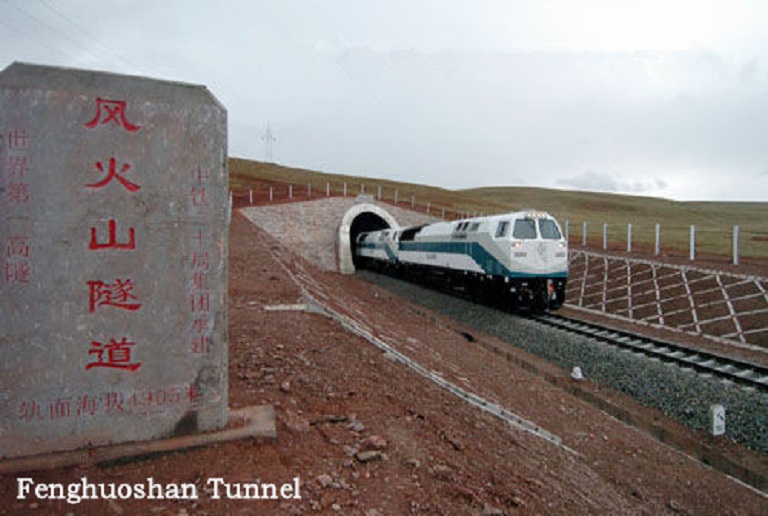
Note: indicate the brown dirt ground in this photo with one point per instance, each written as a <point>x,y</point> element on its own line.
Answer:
<point>335,395</point>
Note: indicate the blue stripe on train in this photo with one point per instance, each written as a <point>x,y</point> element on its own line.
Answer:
<point>479,254</point>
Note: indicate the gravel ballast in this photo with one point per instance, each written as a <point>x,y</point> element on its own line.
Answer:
<point>681,394</point>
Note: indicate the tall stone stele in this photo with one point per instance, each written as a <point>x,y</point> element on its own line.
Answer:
<point>114,210</point>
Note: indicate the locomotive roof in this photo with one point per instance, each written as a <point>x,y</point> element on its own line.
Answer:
<point>448,225</point>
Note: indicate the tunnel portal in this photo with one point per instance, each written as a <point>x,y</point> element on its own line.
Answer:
<point>359,219</point>
<point>363,223</point>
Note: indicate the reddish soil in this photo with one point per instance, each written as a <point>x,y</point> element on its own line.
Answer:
<point>338,397</point>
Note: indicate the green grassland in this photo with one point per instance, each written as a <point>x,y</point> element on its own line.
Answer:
<point>714,221</point>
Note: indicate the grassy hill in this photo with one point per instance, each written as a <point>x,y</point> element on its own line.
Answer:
<point>714,221</point>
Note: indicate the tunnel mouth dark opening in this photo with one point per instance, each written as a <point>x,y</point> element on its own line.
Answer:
<point>366,221</point>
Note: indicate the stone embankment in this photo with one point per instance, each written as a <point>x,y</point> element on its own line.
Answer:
<point>311,228</point>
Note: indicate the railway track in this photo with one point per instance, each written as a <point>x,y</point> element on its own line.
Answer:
<point>742,373</point>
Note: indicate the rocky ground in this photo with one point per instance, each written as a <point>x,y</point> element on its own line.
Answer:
<point>367,435</point>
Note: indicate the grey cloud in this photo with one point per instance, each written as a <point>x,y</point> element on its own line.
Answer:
<point>592,181</point>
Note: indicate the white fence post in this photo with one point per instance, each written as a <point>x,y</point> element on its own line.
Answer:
<point>395,195</point>
<point>378,194</point>
<point>657,245</point>
<point>362,189</point>
<point>250,195</point>
<point>345,189</point>
<point>271,194</point>
<point>693,243</point>
<point>413,201</point>
<point>629,237</point>
<point>584,234</point>
<point>290,191</point>
<point>735,245</point>
<point>328,189</point>
<point>309,189</point>
<point>605,236</point>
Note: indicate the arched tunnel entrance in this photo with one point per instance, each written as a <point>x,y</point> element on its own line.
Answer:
<point>359,219</point>
<point>364,222</point>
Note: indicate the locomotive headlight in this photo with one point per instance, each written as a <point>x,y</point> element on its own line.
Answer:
<point>517,245</point>
<point>562,245</point>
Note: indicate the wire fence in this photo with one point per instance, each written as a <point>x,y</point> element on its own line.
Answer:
<point>675,239</point>
<point>672,239</point>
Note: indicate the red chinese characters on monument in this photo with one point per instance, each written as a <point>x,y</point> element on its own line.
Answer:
<point>118,353</point>
<point>112,242</point>
<point>115,355</point>
<point>111,111</point>
<point>17,166</point>
<point>14,169</point>
<point>112,402</point>
<point>200,296</point>
<point>118,294</point>
<point>112,173</point>
<point>197,198</point>
<point>200,328</point>
<point>18,267</point>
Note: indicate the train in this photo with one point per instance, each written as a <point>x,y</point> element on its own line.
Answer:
<point>515,260</point>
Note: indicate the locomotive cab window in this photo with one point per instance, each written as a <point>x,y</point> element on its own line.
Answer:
<point>525,229</point>
<point>502,229</point>
<point>474,226</point>
<point>549,230</point>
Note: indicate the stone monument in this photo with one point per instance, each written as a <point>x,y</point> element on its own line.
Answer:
<point>114,211</point>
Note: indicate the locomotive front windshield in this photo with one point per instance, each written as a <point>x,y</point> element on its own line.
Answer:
<point>525,229</point>
<point>548,230</point>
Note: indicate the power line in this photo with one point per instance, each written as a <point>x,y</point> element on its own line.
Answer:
<point>90,36</point>
<point>36,40</point>
<point>47,26</point>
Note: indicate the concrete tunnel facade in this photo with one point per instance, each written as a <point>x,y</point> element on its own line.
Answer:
<point>358,219</point>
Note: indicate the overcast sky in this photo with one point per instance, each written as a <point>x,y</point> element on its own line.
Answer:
<point>665,98</point>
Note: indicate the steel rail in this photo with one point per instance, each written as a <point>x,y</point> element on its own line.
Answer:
<point>746,374</point>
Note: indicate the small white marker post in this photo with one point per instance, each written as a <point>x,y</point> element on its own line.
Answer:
<point>717,414</point>
<point>693,243</point>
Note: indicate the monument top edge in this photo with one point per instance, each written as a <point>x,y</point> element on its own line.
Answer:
<point>59,78</point>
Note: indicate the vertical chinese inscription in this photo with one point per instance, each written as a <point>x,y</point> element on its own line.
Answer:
<point>14,181</point>
<point>200,328</point>
<point>113,245</point>
<point>117,354</point>
<point>16,166</point>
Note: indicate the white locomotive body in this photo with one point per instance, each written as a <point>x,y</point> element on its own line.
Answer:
<point>519,259</point>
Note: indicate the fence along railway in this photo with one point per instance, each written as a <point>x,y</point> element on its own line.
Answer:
<point>721,306</point>
<point>725,307</point>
